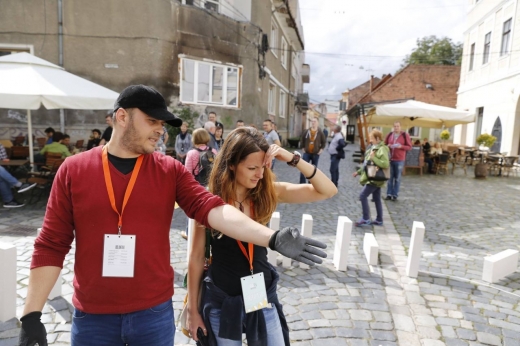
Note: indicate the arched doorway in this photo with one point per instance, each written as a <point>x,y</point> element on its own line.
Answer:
<point>497,132</point>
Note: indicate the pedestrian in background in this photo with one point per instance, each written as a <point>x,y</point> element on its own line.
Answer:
<point>270,135</point>
<point>107,134</point>
<point>211,128</point>
<point>94,140</point>
<point>240,178</point>
<point>219,136</point>
<point>313,142</point>
<point>183,143</point>
<point>212,116</point>
<point>160,146</point>
<point>378,154</point>
<point>399,143</point>
<point>49,131</point>
<point>336,152</point>
<point>240,123</point>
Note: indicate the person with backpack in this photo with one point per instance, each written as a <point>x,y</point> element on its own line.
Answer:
<point>399,143</point>
<point>337,153</point>
<point>313,142</point>
<point>199,160</point>
<point>378,154</point>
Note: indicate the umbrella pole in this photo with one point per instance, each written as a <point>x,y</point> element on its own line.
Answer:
<point>30,139</point>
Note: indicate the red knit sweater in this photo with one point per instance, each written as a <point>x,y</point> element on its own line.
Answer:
<point>79,207</point>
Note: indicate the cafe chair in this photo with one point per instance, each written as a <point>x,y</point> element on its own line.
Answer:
<point>442,163</point>
<point>508,165</point>
<point>41,141</point>
<point>459,160</point>
<point>44,178</point>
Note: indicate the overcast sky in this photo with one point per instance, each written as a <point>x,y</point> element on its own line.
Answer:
<point>348,40</point>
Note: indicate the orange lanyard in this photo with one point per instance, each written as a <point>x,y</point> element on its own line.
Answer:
<point>110,188</point>
<point>250,245</point>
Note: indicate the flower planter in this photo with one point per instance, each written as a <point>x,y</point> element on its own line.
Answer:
<point>481,170</point>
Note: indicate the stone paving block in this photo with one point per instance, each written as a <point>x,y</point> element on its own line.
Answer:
<point>448,332</point>
<point>357,342</point>
<point>446,321</point>
<point>360,315</point>
<point>352,333</point>
<point>466,334</point>
<point>429,332</point>
<point>403,323</point>
<point>329,342</point>
<point>383,335</point>
<point>424,320</point>
<point>432,342</point>
<point>489,339</point>
<point>504,324</point>
<point>409,339</point>
<point>300,335</point>
<point>455,342</point>
<point>322,333</point>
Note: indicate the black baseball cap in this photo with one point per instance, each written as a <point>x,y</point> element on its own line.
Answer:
<point>148,100</point>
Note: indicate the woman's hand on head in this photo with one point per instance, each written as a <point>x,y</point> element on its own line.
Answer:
<point>277,152</point>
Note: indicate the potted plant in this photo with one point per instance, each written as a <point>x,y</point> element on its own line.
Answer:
<point>445,135</point>
<point>485,141</point>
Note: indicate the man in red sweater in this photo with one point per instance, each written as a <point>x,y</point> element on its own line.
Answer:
<point>399,143</point>
<point>118,202</point>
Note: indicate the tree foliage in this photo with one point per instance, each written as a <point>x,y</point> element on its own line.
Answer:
<point>432,50</point>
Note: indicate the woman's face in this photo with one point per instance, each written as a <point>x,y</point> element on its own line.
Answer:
<point>184,128</point>
<point>218,132</point>
<point>373,140</point>
<point>251,170</point>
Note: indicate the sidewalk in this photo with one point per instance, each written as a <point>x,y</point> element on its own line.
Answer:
<point>466,219</point>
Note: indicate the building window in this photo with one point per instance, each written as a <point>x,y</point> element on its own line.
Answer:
<point>272,98</point>
<point>471,56</point>
<point>7,49</point>
<point>283,103</point>
<point>506,34</point>
<point>487,47</point>
<point>208,83</point>
<point>414,131</point>
<point>284,53</point>
<point>274,39</point>
<point>212,5</point>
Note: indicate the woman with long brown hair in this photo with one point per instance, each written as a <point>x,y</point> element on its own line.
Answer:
<point>241,176</point>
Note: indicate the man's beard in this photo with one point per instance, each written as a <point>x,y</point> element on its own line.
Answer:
<point>131,139</point>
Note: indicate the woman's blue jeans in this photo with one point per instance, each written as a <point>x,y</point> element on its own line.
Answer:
<point>6,182</point>
<point>272,321</point>
<point>375,191</point>
<point>153,326</point>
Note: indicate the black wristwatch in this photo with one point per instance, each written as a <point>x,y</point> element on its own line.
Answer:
<point>295,159</point>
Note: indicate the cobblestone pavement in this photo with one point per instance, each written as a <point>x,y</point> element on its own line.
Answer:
<point>448,304</point>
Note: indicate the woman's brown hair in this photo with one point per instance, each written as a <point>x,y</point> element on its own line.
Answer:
<point>200,136</point>
<point>376,134</point>
<point>222,181</point>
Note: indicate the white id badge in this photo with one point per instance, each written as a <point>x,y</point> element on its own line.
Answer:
<point>119,255</point>
<point>254,293</point>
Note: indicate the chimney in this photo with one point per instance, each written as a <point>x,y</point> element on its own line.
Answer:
<point>371,82</point>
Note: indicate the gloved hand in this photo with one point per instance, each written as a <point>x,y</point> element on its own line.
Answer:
<point>290,243</point>
<point>33,331</point>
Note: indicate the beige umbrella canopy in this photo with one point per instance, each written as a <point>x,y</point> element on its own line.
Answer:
<point>28,82</point>
<point>415,113</point>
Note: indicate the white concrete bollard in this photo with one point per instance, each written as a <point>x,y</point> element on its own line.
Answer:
<point>306,231</point>
<point>7,282</point>
<point>414,252</point>
<point>343,232</point>
<point>370,248</point>
<point>56,289</point>
<point>274,224</point>
<point>499,265</point>
<point>191,229</point>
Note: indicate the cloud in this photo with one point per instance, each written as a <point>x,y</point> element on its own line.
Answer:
<point>346,41</point>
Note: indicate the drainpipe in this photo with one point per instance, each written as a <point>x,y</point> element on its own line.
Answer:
<point>60,55</point>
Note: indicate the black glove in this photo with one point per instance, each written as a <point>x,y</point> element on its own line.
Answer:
<point>33,331</point>
<point>290,243</point>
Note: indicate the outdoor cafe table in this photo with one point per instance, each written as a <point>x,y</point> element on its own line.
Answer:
<point>12,165</point>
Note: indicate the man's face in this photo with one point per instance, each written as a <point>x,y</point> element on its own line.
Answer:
<point>397,127</point>
<point>267,126</point>
<point>65,141</point>
<point>95,135</point>
<point>212,130</point>
<point>314,124</point>
<point>240,124</point>
<point>212,117</point>
<point>109,122</point>
<point>141,133</point>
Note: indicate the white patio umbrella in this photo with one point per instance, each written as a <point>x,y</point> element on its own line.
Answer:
<point>415,113</point>
<point>28,82</point>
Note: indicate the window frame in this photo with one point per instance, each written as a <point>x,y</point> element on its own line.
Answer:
<point>211,65</point>
<point>214,2</point>
<point>284,51</point>
<point>471,56</point>
<point>282,104</point>
<point>487,48</point>
<point>504,48</point>
<point>271,99</point>
<point>274,38</point>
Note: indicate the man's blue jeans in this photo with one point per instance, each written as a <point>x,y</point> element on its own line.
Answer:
<point>153,326</point>
<point>396,169</point>
<point>272,322</point>
<point>334,169</point>
<point>311,158</point>
<point>6,182</point>
<point>375,191</point>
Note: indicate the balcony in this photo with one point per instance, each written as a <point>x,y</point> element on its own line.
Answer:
<point>302,100</point>
<point>306,73</point>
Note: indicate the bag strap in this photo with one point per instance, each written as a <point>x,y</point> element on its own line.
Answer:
<point>208,244</point>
